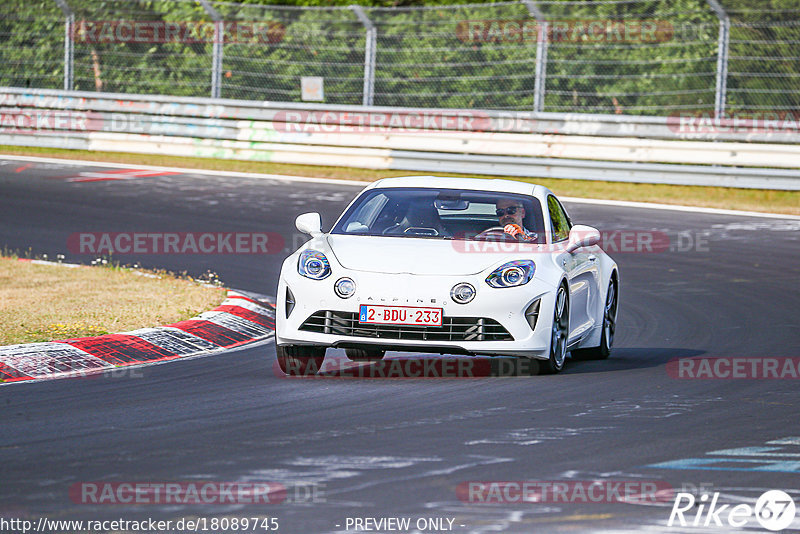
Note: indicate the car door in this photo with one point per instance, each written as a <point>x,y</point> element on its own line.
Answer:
<point>581,269</point>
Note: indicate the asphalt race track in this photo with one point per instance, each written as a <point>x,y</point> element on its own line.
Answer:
<point>402,447</point>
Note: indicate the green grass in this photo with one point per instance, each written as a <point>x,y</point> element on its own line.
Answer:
<point>771,201</point>
<point>91,301</point>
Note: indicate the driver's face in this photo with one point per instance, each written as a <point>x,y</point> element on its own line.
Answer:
<point>507,218</point>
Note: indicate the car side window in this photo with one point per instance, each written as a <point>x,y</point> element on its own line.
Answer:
<point>561,223</point>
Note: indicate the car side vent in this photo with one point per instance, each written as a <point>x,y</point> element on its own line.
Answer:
<point>290,301</point>
<point>532,313</point>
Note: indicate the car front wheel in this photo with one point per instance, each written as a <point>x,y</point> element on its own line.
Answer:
<point>558,335</point>
<point>300,360</point>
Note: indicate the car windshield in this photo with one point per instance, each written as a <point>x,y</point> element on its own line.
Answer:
<point>440,214</point>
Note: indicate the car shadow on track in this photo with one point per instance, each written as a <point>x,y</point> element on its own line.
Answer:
<point>630,358</point>
<point>404,365</point>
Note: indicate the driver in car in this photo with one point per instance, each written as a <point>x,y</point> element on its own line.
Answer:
<point>510,213</point>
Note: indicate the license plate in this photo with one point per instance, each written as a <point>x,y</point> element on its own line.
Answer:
<point>400,315</point>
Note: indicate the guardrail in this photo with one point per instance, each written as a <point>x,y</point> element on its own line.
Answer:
<point>592,147</point>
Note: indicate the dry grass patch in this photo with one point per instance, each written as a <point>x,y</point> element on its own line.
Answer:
<point>770,201</point>
<point>52,302</point>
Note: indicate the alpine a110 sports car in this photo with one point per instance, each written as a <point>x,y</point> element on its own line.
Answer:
<point>447,266</point>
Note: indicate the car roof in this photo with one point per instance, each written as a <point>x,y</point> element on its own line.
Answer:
<point>477,184</point>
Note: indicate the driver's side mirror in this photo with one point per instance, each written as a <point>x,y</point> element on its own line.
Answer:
<point>309,223</point>
<point>582,236</point>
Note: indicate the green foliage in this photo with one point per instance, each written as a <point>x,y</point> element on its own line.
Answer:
<point>32,44</point>
<point>764,66</point>
<point>423,57</point>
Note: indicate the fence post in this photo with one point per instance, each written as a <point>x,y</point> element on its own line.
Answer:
<point>541,55</point>
<point>216,51</point>
<point>69,55</point>
<point>722,57</point>
<point>370,49</point>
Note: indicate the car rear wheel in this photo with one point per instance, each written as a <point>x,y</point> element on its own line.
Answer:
<point>300,360</point>
<point>364,355</point>
<point>559,334</point>
<point>609,327</point>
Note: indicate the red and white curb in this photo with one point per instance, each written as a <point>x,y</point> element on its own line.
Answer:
<point>241,318</point>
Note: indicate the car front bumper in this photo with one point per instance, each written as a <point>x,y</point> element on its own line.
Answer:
<point>506,306</point>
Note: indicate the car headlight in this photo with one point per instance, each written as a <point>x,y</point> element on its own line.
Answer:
<point>462,293</point>
<point>512,274</point>
<point>313,264</point>
<point>345,287</point>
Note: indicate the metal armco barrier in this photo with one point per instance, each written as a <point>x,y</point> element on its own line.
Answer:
<point>591,147</point>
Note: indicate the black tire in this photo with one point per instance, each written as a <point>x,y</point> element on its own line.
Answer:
<point>300,360</point>
<point>559,334</point>
<point>365,355</point>
<point>609,327</point>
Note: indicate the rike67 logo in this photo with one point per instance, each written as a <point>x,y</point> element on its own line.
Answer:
<point>774,510</point>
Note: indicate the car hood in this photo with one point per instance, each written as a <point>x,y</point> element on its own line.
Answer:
<point>397,255</point>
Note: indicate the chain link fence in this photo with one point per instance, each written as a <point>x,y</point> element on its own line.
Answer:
<point>32,44</point>
<point>308,41</point>
<point>764,61</point>
<point>109,57</point>
<point>641,57</point>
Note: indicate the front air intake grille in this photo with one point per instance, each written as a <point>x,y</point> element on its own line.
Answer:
<point>452,329</point>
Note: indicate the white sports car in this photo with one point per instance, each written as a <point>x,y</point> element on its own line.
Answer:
<point>428,264</point>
